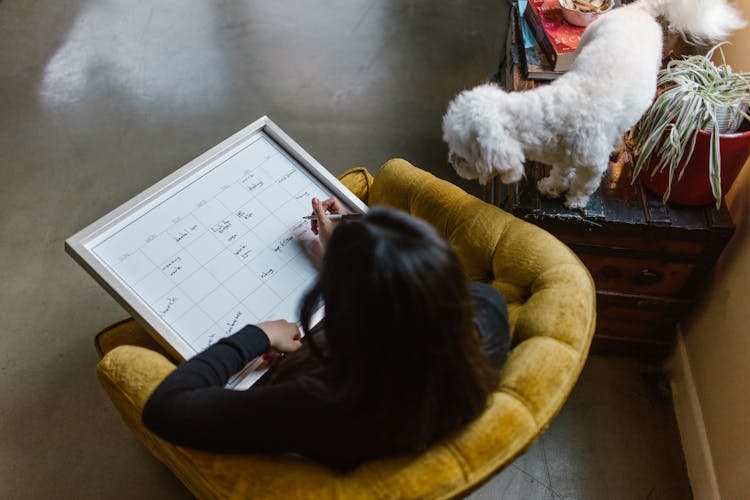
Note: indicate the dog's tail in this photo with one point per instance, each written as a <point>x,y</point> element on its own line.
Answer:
<point>699,21</point>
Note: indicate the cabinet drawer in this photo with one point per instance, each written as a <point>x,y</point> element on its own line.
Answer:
<point>637,276</point>
<point>638,243</point>
<point>635,330</point>
<point>638,317</point>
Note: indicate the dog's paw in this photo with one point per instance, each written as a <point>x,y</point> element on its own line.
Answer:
<point>549,188</point>
<point>576,202</point>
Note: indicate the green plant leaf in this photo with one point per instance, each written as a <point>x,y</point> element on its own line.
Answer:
<point>714,166</point>
<point>693,89</point>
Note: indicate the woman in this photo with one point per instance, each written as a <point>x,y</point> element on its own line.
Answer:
<point>399,366</point>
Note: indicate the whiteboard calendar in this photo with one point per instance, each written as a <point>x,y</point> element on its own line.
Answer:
<point>218,244</point>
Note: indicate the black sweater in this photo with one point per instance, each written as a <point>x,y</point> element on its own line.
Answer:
<point>192,408</point>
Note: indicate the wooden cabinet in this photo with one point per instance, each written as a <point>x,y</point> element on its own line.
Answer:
<point>650,262</point>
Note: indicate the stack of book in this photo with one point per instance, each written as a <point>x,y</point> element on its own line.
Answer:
<point>548,41</point>
<point>526,53</point>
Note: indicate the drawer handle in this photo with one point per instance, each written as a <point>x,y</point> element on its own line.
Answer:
<point>648,277</point>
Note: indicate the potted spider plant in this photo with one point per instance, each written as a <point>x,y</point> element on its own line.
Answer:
<point>694,139</point>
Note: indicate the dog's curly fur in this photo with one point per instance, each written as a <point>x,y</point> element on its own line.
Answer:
<point>574,123</point>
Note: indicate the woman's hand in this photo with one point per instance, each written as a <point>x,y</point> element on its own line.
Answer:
<point>324,226</point>
<point>283,335</point>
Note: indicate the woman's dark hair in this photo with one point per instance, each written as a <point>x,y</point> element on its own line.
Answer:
<point>399,335</point>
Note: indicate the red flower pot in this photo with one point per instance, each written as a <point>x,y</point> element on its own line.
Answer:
<point>694,188</point>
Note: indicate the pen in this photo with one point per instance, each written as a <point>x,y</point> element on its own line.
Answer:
<point>334,216</point>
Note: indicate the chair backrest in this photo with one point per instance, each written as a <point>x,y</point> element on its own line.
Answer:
<point>551,304</point>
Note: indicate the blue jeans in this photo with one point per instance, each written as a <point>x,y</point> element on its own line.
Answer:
<point>491,320</point>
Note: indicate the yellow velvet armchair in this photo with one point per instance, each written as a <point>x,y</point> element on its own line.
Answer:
<point>551,304</point>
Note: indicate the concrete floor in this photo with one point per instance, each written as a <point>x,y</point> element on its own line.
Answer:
<point>99,100</point>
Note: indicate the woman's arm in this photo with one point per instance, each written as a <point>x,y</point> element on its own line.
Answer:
<point>215,365</point>
<point>191,407</point>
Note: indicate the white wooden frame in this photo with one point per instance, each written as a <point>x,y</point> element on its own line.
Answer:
<point>79,245</point>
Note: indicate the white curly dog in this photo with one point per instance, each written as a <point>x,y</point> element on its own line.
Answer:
<point>574,123</point>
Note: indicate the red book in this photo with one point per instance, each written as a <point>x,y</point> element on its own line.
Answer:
<point>556,37</point>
